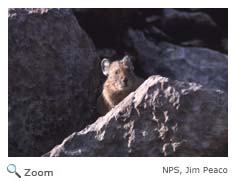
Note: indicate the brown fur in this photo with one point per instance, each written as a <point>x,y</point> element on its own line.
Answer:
<point>120,82</point>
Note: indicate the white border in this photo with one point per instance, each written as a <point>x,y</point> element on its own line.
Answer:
<point>123,168</point>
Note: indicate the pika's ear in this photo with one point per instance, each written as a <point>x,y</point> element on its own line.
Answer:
<point>105,64</point>
<point>127,61</point>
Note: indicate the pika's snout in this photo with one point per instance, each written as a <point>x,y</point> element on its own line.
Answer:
<point>125,80</point>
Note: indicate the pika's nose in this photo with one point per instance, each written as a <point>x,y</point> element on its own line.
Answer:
<point>125,81</point>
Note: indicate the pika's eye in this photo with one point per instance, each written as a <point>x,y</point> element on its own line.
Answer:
<point>117,72</point>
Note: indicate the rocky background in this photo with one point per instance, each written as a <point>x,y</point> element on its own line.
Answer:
<point>55,79</point>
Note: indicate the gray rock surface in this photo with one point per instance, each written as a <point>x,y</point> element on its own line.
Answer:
<point>200,65</point>
<point>53,72</point>
<point>162,117</point>
<point>184,25</point>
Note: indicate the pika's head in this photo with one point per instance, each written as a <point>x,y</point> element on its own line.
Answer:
<point>120,73</point>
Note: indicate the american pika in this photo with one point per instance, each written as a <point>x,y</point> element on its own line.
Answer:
<point>121,80</point>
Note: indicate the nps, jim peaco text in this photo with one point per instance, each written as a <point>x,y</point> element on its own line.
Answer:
<point>194,170</point>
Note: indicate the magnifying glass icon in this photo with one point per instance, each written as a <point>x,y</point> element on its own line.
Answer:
<point>11,168</point>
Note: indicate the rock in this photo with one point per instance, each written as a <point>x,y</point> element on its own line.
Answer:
<point>80,10</point>
<point>194,43</point>
<point>200,65</point>
<point>220,17</point>
<point>152,18</point>
<point>188,25</point>
<point>53,70</point>
<point>200,27</point>
<point>105,52</point>
<point>224,44</point>
<point>162,117</point>
<point>157,34</point>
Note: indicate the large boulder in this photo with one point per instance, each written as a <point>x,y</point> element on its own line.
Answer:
<point>200,65</point>
<point>53,72</point>
<point>161,118</point>
<point>195,28</point>
<point>184,25</point>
